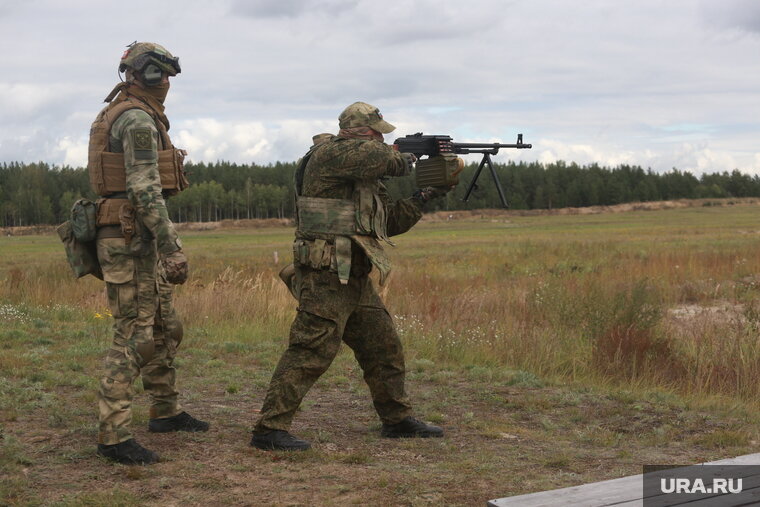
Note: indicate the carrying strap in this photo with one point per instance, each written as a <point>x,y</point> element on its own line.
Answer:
<point>298,178</point>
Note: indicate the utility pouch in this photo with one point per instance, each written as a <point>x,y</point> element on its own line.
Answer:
<point>108,211</point>
<point>82,256</point>
<point>317,254</point>
<point>127,221</point>
<point>300,253</point>
<point>83,220</point>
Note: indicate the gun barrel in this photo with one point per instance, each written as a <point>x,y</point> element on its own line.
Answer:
<point>492,148</point>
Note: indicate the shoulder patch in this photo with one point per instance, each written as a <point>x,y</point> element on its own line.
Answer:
<point>142,139</point>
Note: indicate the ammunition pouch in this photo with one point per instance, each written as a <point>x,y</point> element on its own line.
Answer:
<point>83,220</point>
<point>82,256</point>
<point>316,254</point>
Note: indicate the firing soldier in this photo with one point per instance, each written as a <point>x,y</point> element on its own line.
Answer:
<point>133,166</point>
<point>343,212</point>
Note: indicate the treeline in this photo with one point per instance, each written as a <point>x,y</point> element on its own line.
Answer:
<point>32,194</point>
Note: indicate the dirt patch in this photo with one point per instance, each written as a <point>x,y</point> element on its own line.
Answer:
<point>721,312</point>
<point>493,432</point>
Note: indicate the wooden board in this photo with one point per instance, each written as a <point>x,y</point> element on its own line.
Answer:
<point>623,492</point>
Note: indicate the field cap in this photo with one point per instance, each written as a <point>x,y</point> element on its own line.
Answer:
<point>361,114</point>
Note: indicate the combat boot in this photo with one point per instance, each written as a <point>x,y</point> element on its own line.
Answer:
<point>278,440</point>
<point>180,422</point>
<point>128,452</point>
<point>410,427</point>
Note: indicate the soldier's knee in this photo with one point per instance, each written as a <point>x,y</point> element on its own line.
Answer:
<point>144,346</point>
<point>114,390</point>
<point>310,331</point>
<point>144,352</point>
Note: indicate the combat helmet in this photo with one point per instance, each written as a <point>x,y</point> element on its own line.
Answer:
<point>361,114</point>
<point>141,54</point>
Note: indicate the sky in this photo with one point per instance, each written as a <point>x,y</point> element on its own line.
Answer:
<point>655,83</point>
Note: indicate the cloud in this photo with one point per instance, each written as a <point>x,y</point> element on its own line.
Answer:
<point>697,158</point>
<point>259,78</point>
<point>210,140</point>
<point>289,8</point>
<point>743,15</point>
<point>74,151</point>
<point>24,99</point>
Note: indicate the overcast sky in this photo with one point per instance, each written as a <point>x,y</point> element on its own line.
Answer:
<point>660,84</point>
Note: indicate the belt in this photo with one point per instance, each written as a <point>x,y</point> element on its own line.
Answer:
<point>109,231</point>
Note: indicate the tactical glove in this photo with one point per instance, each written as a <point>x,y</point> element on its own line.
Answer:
<point>425,194</point>
<point>175,267</point>
<point>405,168</point>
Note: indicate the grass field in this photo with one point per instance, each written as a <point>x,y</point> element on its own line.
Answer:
<point>554,350</point>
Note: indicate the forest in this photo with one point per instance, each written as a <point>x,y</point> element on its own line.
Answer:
<point>40,193</point>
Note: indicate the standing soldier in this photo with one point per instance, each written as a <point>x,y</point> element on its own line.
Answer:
<point>343,211</point>
<point>133,166</point>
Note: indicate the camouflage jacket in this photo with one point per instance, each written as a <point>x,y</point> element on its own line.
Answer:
<point>337,165</point>
<point>134,133</point>
<point>336,169</point>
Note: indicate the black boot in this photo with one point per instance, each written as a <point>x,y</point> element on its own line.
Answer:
<point>410,427</point>
<point>278,440</point>
<point>180,422</point>
<point>128,452</point>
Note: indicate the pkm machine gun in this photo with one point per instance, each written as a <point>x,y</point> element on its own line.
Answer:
<point>441,151</point>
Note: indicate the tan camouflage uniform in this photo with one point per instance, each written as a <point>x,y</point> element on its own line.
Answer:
<point>139,297</point>
<point>329,311</point>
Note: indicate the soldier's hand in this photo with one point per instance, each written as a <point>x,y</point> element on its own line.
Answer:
<point>175,266</point>
<point>410,159</point>
<point>427,193</point>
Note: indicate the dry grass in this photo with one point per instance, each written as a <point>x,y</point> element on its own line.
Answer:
<point>573,296</point>
<point>650,317</point>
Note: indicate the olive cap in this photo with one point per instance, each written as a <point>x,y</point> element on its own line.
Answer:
<point>361,114</point>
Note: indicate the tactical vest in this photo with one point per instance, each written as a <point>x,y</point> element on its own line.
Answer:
<point>108,174</point>
<point>361,220</point>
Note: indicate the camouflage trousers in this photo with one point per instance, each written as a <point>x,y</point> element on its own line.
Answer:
<point>330,313</point>
<point>146,335</point>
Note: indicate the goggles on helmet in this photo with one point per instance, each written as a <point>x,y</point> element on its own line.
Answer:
<point>167,64</point>
<point>172,63</point>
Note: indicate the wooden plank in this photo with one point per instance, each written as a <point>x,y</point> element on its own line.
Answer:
<point>622,492</point>
<point>750,490</point>
<point>599,493</point>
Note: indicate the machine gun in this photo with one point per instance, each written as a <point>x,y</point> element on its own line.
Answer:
<point>441,162</point>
